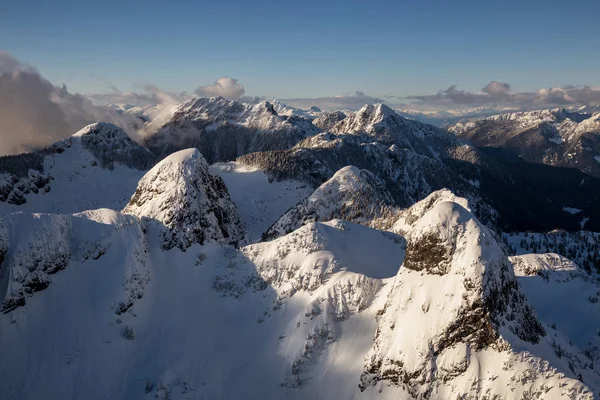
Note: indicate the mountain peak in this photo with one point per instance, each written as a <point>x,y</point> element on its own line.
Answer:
<point>101,129</point>
<point>193,205</point>
<point>265,106</point>
<point>375,112</point>
<point>109,144</point>
<point>454,300</point>
<point>352,194</point>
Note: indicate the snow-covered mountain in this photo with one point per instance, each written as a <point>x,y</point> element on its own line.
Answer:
<point>332,309</point>
<point>412,158</point>
<point>456,322</point>
<point>376,139</point>
<point>351,195</point>
<point>224,130</point>
<point>181,194</point>
<point>99,166</point>
<point>444,118</point>
<point>328,119</point>
<point>557,137</point>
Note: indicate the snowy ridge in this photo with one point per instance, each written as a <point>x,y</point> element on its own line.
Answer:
<point>351,194</point>
<point>42,245</point>
<point>288,111</point>
<point>326,311</point>
<point>564,120</point>
<point>194,205</point>
<point>409,176</point>
<point>328,119</point>
<point>455,310</point>
<point>224,130</point>
<point>413,297</point>
<point>100,163</point>
<point>413,159</point>
<point>302,260</point>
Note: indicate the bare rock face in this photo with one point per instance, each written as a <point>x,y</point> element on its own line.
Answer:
<point>193,205</point>
<point>454,305</point>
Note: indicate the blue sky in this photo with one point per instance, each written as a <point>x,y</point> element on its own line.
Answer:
<point>309,48</point>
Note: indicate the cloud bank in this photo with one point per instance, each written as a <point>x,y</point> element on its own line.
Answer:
<point>500,94</point>
<point>35,113</point>
<point>226,87</point>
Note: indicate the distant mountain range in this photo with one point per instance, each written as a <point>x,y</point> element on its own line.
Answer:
<point>557,137</point>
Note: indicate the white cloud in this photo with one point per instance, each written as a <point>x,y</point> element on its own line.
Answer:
<point>226,87</point>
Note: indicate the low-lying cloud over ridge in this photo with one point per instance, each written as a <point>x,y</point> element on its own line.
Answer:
<point>35,113</point>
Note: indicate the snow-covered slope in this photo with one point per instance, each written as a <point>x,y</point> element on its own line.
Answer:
<point>582,247</point>
<point>456,323</point>
<point>210,322</point>
<point>160,301</point>
<point>38,247</point>
<point>260,201</point>
<point>223,130</point>
<point>351,194</point>
<point>193,204</point>
<point>565,297</point>
<point>329,279</point>
<point>99,166</point>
